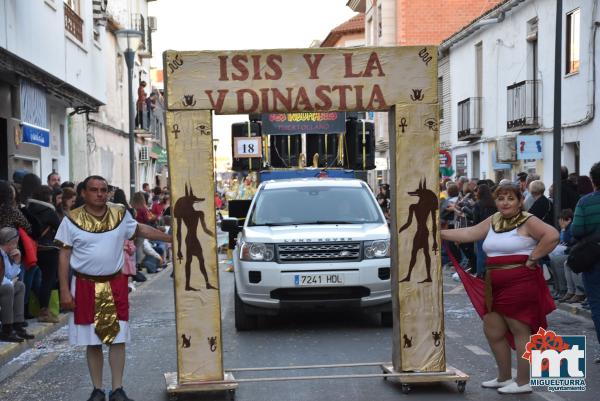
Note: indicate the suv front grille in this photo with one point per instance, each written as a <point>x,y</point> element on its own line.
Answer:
<point>318,252</point>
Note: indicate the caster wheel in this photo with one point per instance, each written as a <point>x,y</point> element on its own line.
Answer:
<point>231,395</point>
<point>405,388</point>
<point>385,373</point>
<point>461,386</point>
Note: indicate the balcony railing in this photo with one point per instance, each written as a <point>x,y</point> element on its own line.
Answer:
<point>522,106</point>
<point>140,23</point>
<point>73,23</point>
<point>152,122</point>
<point>469,119</point>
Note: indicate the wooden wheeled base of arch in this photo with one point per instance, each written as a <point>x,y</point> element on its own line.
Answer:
<point>228,385</point>
<point>407,378</point>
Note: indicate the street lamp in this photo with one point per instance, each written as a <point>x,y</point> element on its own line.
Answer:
<point>129,40</point>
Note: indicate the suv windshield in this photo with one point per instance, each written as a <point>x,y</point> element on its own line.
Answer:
<point>314,205</point>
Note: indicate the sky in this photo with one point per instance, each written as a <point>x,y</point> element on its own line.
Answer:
<point>241,25</point>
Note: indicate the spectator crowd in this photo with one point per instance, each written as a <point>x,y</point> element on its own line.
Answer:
<point>467,202</point>
<point>30,214</point>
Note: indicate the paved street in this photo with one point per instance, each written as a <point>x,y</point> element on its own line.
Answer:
<point>56,371</point>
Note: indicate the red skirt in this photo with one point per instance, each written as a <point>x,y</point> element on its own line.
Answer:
<point>85,295</point>
<point>519,293</point>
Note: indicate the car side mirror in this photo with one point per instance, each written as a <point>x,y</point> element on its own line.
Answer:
<point>230,225</point>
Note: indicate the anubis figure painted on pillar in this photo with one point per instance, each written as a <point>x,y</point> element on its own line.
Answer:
<point>187,210</point>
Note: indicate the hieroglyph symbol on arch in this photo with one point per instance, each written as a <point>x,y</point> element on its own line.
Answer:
<point>403,124</point>
<point>175,130</point>
<point>202,129</point>
<point>188,101</point>
<point>212,343</point>
<point>175,63</point>
<point>417,95</point>
<point>431,124</point>
<point>436,338</point>
<point>425,56</point>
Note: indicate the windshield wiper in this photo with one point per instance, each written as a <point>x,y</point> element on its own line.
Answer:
<point>329,222</point>
<point>300,223</point>
<point>273,224</point>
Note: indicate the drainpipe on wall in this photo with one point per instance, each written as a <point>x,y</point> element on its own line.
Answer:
<point>592,84</point>
<point>70,137</point>
<point>444,47</point>
<point>490,21</point>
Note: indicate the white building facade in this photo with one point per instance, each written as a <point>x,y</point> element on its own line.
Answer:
<point>64,91</point>
<point>380,30</point>
<point>500,98</point>
<point>50,62</point>
<point>104,147</point>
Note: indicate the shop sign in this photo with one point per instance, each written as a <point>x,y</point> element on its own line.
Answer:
<point>461,165</point>
<point>160,154</point>
<point>445,158</point>
<point>36,135</point>
<point>529,147</point>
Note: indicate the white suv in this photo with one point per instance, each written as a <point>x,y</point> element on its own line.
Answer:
<point>311,243</point>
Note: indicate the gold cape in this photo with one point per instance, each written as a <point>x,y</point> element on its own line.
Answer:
<point>88,222</point>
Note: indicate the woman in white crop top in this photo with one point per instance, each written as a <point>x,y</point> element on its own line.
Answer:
<point>516,299</point>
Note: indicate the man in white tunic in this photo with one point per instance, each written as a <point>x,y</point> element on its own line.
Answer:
<point>91,240</point>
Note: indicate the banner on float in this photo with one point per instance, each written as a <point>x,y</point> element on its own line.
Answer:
<point>303,123</point>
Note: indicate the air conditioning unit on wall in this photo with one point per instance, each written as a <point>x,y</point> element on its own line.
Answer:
<point>506,149</point>
<point>532,30</point>
<point>152,23</point>
<point>144,154</point>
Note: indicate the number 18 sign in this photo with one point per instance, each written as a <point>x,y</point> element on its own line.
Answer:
<point>247,147</point>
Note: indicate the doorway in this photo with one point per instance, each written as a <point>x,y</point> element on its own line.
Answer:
<point>475,162</point>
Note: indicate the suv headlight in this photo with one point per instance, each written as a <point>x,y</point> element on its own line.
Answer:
<point>377,249</point>
<point>257,252</point>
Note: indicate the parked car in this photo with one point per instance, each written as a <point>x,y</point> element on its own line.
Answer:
<point>311,244</point>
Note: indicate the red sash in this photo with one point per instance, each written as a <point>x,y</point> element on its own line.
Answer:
<point>519,293</point>
<point>85,294</point>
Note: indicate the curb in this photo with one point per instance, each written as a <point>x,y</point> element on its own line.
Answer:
<point>39,330</point>
<point>42,330</point>
<point>574,309</point>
